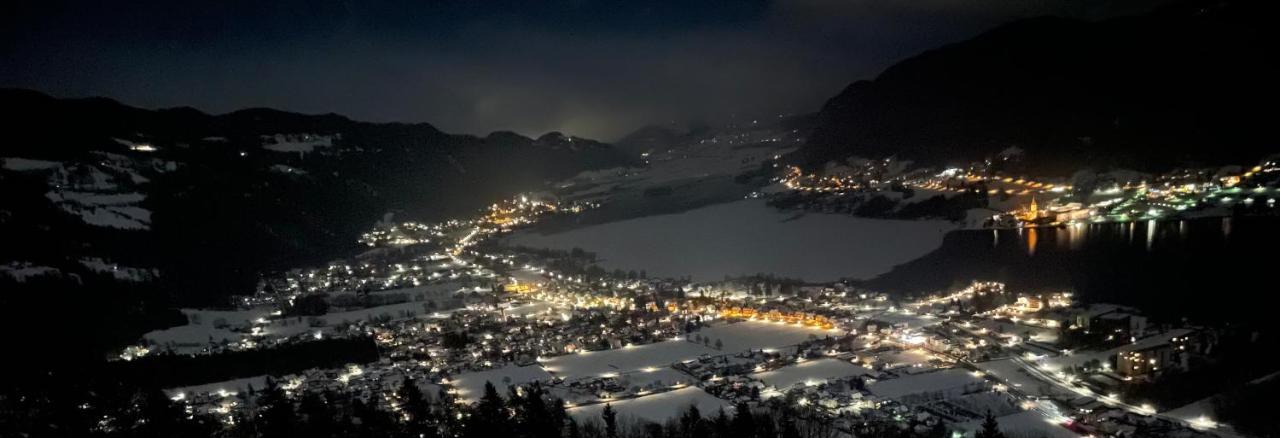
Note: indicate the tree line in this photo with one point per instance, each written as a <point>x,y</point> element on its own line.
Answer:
<point>525,412</point>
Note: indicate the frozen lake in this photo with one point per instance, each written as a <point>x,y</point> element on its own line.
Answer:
<point>747,237</point>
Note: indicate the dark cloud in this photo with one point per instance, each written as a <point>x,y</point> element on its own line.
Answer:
<point>598,69</point>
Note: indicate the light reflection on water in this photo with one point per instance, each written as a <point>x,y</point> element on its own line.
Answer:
<point>1075,237</point>
<point>1151,233</point>
<point>1153,264</point>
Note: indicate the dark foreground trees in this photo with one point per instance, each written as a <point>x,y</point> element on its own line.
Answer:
<point>407,411</point>
<point>990,428</point>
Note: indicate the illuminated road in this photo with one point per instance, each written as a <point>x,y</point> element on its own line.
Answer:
<point>1050,377</point>
<point>1050,411</point>
<point>465,240</point>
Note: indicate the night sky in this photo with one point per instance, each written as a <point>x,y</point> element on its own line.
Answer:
<point>595,69</point>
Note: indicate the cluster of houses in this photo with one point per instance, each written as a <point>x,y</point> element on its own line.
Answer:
<point>449,311</point>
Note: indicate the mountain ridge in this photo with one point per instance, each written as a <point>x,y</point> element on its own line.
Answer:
<point>1169,88</point>
<point>211,202</point>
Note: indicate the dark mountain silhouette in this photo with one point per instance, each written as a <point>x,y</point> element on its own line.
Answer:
<point>1190,83</point>
<point>653,138</point>
<point>231,196</point>
<point>656,139</point>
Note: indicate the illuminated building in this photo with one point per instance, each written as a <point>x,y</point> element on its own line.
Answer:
<point>1030,304</point>
<point>1032,213</point>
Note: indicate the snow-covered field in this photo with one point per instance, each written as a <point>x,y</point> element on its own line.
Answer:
<point>470,386</point>
<point>27,164</point>
<point>747,237</point>
<point>21,271</point>
<point>90,198</point>
<point>998,403</point>
<point>901,317</point>
<point>190,335</point>
<point>530,309</point>
<point>1038,334</point>
<point>1012,372</point>
<point>102,194</point>
<point>748,335</point>
<point>1193,411</point>
<point>527,276</point>
<point>600,363</point>
<point>203,324</point>
<point>124,273</point>
<point>395,311</point>
<point>230,386</point>
<point>1203,411</point>
<point>200,328</point>
<point>655,378</point>
<point>1025,424</point>
<point>115,210</point>
<point>287,170</point>
<point>126,218</point>
<point>814,371</point>
<point>944,381</point>
<point>296,142</point>
<point>231,317</point>
<point>657,407</point>
<point>905,358</point>
<point>736,338</point>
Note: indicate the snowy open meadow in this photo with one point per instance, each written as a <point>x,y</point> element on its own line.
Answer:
<point>658,407</point>
<point>749,335</point>
<point>810,372</point>
<point>949,381</point>
<point>638,358</point>
<point>470,386</point>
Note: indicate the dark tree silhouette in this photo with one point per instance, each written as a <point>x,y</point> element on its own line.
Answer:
<point>489,417</point>
<point>610,421</point>
<point>276,416</point>
<point>416,409</point>
<point>990,428</point>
